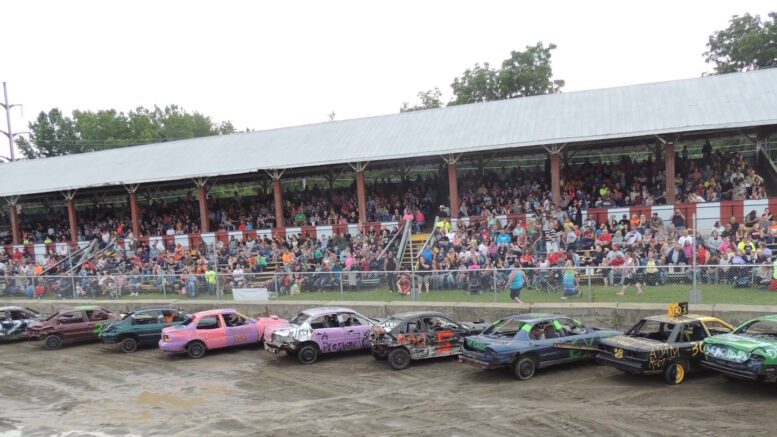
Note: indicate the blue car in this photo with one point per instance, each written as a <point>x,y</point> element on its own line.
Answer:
<point>528,342</point>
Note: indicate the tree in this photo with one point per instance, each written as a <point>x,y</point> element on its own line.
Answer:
<point>526,73</point>
<point>746,44</point>
<point>54,134</point>
<point>429,99</point>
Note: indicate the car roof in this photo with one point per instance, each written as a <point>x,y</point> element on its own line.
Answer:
<point>142,310</point>
<point>535,317</point>
<point>214,312</point>
<point>687,318</point>
<point>15,308</point>
<point>412,314</point>
<point>317,311</point>
<point>769,317</point>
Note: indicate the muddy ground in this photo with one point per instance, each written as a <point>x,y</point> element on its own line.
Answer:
<point>96,389</point>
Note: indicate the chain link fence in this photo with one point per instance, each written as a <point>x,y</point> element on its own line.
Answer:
<point>730,283</point>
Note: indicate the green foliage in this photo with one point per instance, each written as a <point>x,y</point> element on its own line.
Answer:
<point>428,100</point>
<point>55,134</point>
<point>526,73</point>
<point>746,44</point>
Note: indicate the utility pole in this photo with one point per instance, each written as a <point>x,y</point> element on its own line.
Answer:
<point>9,133</point>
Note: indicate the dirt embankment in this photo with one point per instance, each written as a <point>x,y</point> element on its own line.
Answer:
<point>95,389</point>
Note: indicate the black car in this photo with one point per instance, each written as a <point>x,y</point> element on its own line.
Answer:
<point>528,342</point>
<point>662,344</point>
<point>418,335</point>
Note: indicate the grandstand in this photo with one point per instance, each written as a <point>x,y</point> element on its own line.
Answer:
<point>701,147</point>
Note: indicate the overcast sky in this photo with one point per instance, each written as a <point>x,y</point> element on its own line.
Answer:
<point>263,65</point>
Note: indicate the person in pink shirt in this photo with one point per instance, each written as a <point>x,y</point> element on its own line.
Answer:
<point>420,220</point>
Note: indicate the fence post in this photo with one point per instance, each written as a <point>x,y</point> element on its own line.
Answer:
<point>73,284</point>
<point>695,294</point>
<point>34,291</point>
<point>590,291</point>
<point>275,282</point>
<point>164,285</point>
<point>413,292</point>
<point>341,286</point>
<point>495,284</point>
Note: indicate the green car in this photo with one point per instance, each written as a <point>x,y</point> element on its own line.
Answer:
<point>750,352</point>
<point>142,327</point>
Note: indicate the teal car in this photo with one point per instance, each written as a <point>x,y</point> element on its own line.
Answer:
<point>141,327</point>
<point>750,352</point>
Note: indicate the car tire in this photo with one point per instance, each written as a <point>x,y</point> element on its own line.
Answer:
<point>399,358</point>
<point>524,368</point>
<point>307,354</point>
<point>675,372</point>
<point>128,345</point>
<point>196,349</point>
<point>53,342</point>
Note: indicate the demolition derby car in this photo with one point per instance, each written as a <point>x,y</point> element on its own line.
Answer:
<point>669,344</point>
<point>750,352</point>
<point>216,329</point>
<point>322,330</point>
<point>14,321</point>
<point>74,325</point>
<point>418,335</point>
<point>528,342</point>
<point>142,327</point>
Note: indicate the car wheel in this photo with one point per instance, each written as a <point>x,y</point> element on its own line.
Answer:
<point>307,354</point>
<point>399,359</point>
<point>379,357</point>
<point>524,369</point>
<point>674,373</point>
<point>53,342</point>
<point>196,349</point>
<point>128,345</point>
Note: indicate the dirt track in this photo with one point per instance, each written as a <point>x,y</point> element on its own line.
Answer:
<point>93,388</point>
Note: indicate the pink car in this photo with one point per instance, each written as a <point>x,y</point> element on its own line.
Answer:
<point>216,329</point>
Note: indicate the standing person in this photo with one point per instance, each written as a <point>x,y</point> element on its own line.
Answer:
<point>570,281</point>
<point>630,274</point>
<point>424,271</point>
<point>515,281</point>
<point>390,267</point>
<point>210,278</point>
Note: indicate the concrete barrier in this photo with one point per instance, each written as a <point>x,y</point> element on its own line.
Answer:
<point>605,315</point>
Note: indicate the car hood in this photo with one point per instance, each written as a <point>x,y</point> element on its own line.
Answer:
<point>286,329</point>
<point>729,344</point>
<point>633,343</point>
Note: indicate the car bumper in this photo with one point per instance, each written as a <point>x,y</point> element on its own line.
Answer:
<point>626,364</point>
<point>172,346</point>
<point>277,348</point>
<point>478,363</point>
<point>740,371</point>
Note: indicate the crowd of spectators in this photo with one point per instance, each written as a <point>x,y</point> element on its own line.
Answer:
<point>651,250</point>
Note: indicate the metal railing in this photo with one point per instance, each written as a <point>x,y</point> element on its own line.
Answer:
<point>721,283</point>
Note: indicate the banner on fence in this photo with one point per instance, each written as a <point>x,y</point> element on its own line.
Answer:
<point>250,294</point>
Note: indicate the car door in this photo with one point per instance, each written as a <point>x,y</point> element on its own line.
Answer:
<point>211,331</point>
<point>240,329</point>
<point>148,325</point>
<point>574,333</point>
<point>542,337</point>
<point>690,339</point>
<point>357,331</point>
<point>327,333</point>
<point>444,335</point>
<point>74,326</point>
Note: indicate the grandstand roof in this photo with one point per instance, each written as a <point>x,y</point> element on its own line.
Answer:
<point>730,101</point>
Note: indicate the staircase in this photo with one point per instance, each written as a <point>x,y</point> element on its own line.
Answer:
<point>412,251</point>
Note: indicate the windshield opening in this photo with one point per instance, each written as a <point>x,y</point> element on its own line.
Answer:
<point>299,319</point>
<point>187,321</point>
<point>504,328</point>
<point>652,330</point>
<point>759,328</point>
